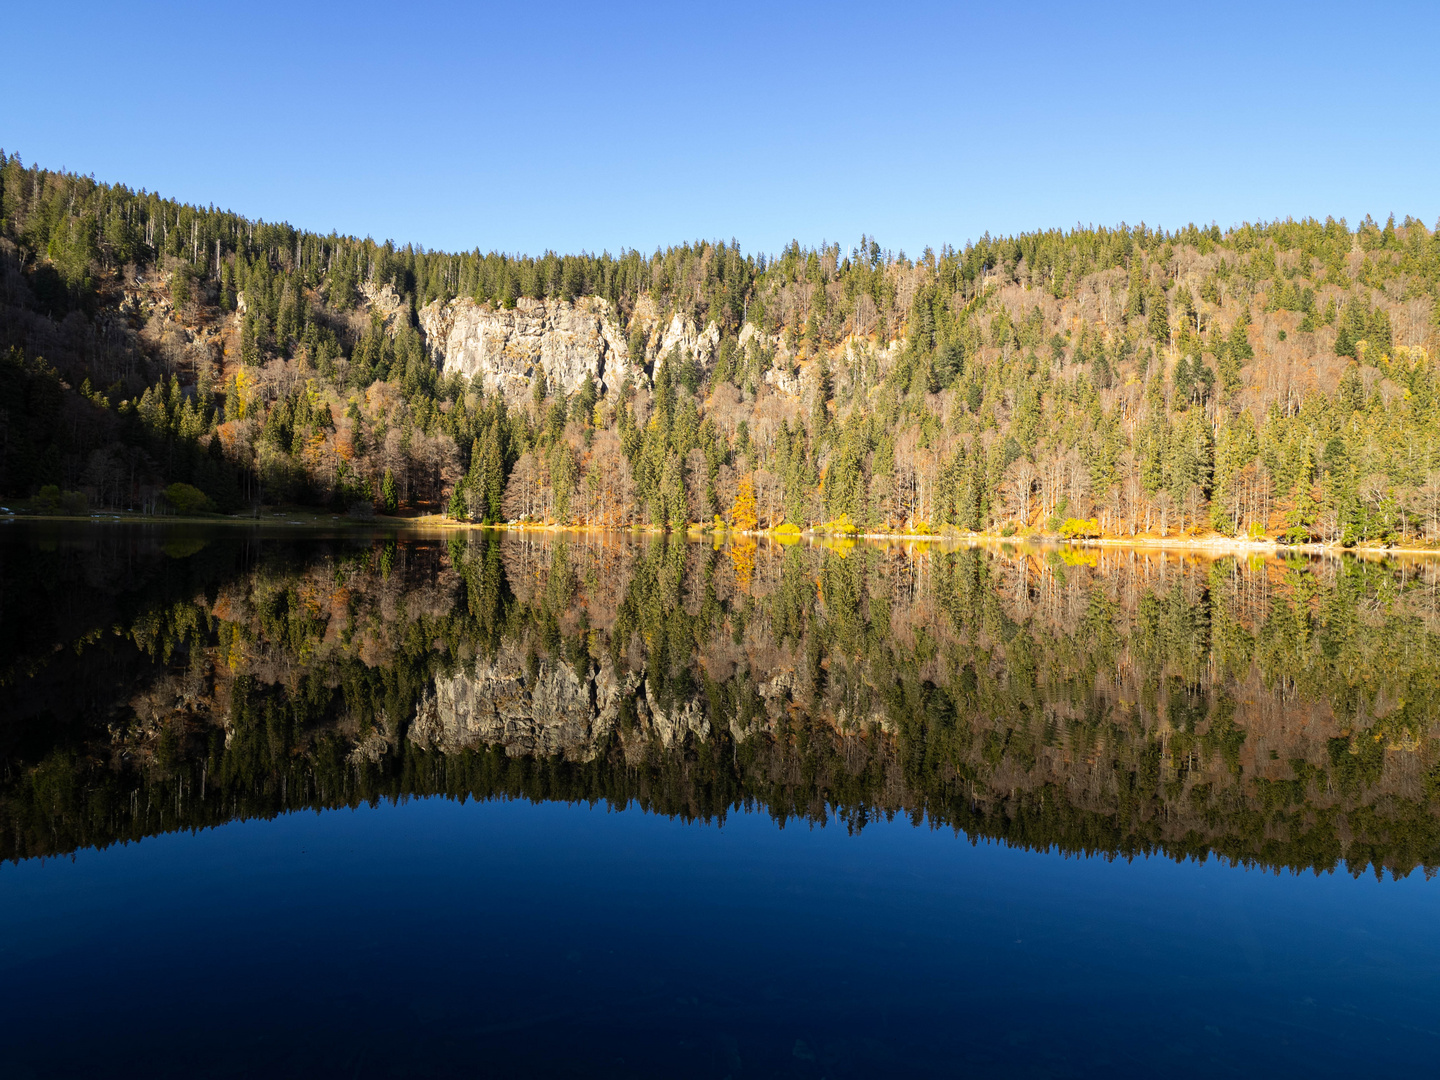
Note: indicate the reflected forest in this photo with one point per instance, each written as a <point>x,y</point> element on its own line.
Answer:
<point>1121,703</point>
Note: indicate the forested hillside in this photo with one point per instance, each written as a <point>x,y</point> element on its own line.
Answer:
<point>1274,379</point>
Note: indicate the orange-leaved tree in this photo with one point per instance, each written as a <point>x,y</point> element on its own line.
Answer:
<point>742,513</point>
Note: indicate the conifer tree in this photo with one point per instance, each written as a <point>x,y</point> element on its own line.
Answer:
<point>820,411</point>
<point>389,497</point>
<point>1158,319</point>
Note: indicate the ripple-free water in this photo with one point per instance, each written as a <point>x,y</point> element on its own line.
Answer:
<point>236,848</point>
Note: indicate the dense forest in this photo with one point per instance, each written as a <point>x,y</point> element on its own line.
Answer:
<point>1273,379</point>
<point>1272,713</point>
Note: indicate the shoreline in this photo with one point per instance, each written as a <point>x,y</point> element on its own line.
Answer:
<point>312,521</point>
<point>1211,544</point>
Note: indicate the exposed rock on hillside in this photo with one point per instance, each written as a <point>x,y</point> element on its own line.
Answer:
<point>506,348</point>
<point>392,307</point>
<point>684,336</point>
<point>555,712</point>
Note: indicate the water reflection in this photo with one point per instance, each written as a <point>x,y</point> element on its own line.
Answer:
<point>1270,712</point>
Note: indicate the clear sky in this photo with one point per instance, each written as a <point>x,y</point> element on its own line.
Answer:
<point>521,127</point>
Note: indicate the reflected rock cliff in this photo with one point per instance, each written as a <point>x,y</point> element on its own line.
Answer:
<point>1114,702</point>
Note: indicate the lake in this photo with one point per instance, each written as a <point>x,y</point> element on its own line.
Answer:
<point>497,803</point>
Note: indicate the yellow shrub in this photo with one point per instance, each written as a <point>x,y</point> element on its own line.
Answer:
<point>1080,528</point>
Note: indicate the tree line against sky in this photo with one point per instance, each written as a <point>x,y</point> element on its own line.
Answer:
<point>1274,379</point>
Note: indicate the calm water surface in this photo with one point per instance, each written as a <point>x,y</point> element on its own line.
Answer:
<point>352,806</point>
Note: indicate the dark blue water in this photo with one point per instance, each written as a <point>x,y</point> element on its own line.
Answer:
<point>505,939</point>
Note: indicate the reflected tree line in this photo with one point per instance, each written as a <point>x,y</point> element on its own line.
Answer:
<point>1115,702</point>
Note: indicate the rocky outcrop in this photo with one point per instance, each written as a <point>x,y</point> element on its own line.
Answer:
<point>554,713</point>
<point>792,376</point>
<point>385,300</point>
<point>507,348</point>
<point>682,336</point>
<point>785,378</point>
<point>671,725</point>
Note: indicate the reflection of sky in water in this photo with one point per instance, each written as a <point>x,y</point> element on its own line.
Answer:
<point>436,939</point>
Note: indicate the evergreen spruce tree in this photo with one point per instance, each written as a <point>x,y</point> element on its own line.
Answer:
<point>820,411</point>
<point>389,497</point>
<point>1158,319</point>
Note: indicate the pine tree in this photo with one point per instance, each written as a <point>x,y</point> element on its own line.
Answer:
<point>388,495</point>
<point>1301,516</point>
<point>1233,352</point>
<point>491,470</point>
<point>799,484</point>
<point>820,411</point>
<point>673,510</point>
<point>1158,320</point>
<point>585,398</point>
<point>1135,292</point>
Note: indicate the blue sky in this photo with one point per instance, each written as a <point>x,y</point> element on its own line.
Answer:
<point>568,126</point>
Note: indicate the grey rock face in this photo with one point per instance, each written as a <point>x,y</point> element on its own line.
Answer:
<point>506,349</point>
<point>385,300</point>
<point>684,337</point>
<point>671,726</point>
<point>558,713</point>
<point>555,715</point>
<point>783,380</point>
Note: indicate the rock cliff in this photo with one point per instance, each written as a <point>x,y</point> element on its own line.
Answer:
<point>683,336</point>
<point>555,712</point>
<point>393,309</point>
<point>507,348</point>
<point>551,713</point>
